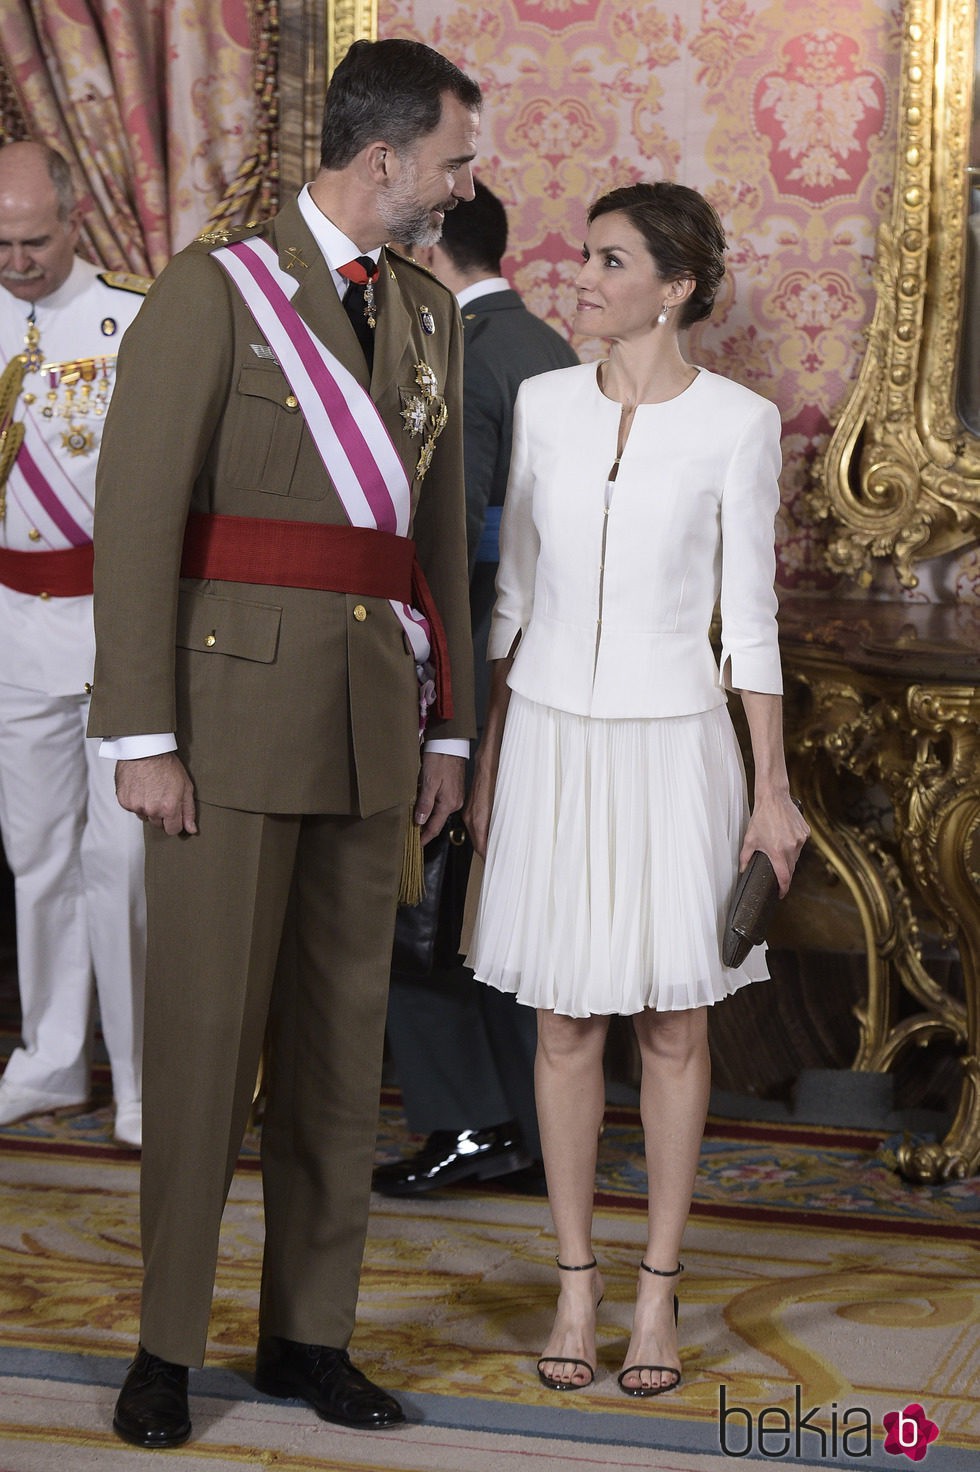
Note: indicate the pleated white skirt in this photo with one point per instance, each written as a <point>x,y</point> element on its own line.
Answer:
<point>611,860</point>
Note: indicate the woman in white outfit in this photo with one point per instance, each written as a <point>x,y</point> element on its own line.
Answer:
<point>609,796</point>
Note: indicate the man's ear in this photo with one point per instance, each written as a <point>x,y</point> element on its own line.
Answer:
<point>74,223</point>
<point>376,158</point>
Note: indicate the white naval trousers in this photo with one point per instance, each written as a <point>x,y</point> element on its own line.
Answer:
<point>77,862</point>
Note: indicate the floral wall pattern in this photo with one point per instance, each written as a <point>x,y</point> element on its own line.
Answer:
<point>782,114</point>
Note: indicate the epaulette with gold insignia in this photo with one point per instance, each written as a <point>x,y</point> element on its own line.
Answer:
<point>225,234</point>
<point>125,281</point>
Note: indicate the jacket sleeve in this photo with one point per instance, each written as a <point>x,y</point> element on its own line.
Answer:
<point>749,503</point>
<point>519,542</point>
<point>172,384</point>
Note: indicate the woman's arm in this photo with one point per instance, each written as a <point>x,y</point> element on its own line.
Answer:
<point>776,825</point>
<point>476,812</point>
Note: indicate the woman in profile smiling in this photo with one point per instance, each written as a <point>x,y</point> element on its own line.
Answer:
<point>609,795</point>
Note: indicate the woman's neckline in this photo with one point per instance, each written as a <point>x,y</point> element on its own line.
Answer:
<point>644,404</point>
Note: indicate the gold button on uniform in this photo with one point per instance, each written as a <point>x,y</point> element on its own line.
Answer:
<point>88,687</point>
<point>292,402</point>
<point>44,595</point>
<point>210,639</point>
<point>360,612</point>
<point>34,534</point>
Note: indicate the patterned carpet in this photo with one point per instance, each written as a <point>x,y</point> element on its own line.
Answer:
<point>813,1273</point>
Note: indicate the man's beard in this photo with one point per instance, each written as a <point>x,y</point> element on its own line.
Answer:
<point>405,219</point>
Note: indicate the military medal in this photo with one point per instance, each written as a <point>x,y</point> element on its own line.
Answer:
<point>424,411</point>
<point>415,414</point>
<point>75,391</point>
<point>32,342</point>
<point>102,390</point>
<point>427,320</point>
<point>77,441</point>
<point>426,380</point>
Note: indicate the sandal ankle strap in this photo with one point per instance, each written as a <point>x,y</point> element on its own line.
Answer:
<point>578,1267</point>
<point>659,1272</point>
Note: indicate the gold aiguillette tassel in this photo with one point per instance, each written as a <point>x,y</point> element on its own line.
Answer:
<point>11,433</point>
<point>412,887</point>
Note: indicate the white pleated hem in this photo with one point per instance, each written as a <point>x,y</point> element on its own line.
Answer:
<point>612,856</point>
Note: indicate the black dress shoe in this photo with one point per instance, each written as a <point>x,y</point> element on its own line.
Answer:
<point>447,1158</point>
<point>326,1380</point>
<point>152,1407</point>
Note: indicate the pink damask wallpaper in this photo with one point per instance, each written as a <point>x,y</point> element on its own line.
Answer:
<point>782,114</point>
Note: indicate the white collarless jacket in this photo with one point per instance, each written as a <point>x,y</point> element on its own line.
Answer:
<point>614,619</point>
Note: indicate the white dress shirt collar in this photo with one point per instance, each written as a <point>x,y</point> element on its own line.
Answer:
<point>335,247</point>
<point>481,288</point>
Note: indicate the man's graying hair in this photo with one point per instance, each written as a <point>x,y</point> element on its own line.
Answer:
<point>391,90</point>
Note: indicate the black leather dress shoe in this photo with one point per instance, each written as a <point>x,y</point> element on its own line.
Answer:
<point>447,1158</point>
<point>152,1407</point>
<point>326,1380</point>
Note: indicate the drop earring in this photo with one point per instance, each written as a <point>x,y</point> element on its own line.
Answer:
<point>662,317</point>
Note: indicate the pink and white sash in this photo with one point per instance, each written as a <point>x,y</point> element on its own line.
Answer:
<point>352,439</point>
<point>45,493</point>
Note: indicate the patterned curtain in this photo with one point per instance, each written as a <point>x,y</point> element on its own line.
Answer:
<point>166,111</point>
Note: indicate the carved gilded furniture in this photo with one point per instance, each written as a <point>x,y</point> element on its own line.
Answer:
<point>903,470</point>
<point>889,695</point>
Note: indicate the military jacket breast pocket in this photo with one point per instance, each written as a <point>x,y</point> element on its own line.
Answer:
<point>267,429</point>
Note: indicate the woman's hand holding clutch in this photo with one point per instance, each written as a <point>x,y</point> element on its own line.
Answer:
<point>779,830</point>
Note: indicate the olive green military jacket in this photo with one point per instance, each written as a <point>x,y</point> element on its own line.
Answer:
<point>282,699</point>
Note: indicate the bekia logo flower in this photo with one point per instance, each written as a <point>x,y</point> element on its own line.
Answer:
<point>909,1432</point>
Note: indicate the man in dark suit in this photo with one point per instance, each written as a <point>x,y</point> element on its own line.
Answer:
<point>287,413</point>
<point>464,1053</point>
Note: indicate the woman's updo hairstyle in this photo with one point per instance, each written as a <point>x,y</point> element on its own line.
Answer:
<point>683,235</point>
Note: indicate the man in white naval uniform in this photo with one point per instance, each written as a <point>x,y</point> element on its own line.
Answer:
<point>76,856</point>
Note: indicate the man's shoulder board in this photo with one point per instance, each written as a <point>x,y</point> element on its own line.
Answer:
<point>124,281</point>
<point>217,235</point>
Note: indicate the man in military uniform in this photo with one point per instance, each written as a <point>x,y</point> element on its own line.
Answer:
<point>75,857</point>
<point>464,1053</point>
<point>260,675</point>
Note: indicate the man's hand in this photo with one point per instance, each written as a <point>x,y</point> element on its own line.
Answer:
<point>158,790</point>
<point>441,786</point>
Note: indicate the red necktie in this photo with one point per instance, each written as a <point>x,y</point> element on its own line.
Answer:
<point>358,301</point>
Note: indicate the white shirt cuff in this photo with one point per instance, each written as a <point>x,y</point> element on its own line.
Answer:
<point>131,748</point>
<point>449,746</point>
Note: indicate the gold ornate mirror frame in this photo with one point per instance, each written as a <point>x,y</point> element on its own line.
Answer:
<point>901,475</point>
<point>313,36</point>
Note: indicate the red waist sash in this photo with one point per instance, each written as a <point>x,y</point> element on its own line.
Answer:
<point>329,559</point>
<point>62,574</point>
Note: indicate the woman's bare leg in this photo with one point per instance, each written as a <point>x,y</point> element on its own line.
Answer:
<point>570,1091</point>
<point>673,1104</point>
